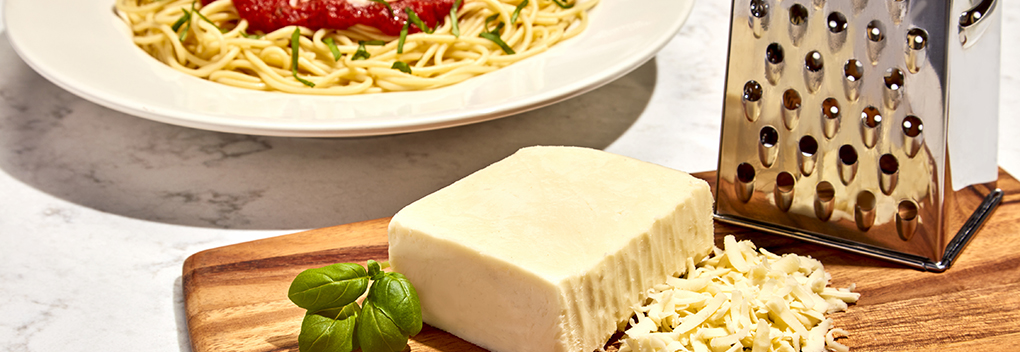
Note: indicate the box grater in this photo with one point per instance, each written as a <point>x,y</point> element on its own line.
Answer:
<point>858,123</point>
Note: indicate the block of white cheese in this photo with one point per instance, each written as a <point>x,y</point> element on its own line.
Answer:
<point>550,248</point>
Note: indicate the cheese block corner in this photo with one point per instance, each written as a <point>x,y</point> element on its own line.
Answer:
<point>550,248</point>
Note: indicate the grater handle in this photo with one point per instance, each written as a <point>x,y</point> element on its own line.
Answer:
<point>973,23</point>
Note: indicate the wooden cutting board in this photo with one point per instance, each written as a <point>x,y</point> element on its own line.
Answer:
<point>236,296</point>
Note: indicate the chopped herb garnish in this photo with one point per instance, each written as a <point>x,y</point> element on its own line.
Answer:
<point>413,17</point>
<point>402,66</point>
<point>495,39</point>
<point>187,26</point>
<point>295,44</point>
<point>185,17</point>
<point>200,15</point>
<point>517,11</point>
<point>489,20</point>
<point>384,2</point>
<point>333,49</point>
<point>362,53</point>
<point>453,19</point>
<point>563,4</point>
<point>403,37</point>
<point>375,42</point>
<point>250,36</point>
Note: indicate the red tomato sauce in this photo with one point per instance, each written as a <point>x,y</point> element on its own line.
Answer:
<point>270,15</point>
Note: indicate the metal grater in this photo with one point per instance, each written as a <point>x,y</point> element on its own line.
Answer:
<point>858,123</point>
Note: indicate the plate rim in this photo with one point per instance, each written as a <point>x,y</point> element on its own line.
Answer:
<point>327,128</point>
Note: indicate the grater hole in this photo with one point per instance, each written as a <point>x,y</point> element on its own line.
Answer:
<point>888,164</point>
<point>853,70</point>
<point>906,219</point>
<point>768,136</point>
<point>744,186</point>
<point>866,200</point>
<point>798,14</point>
<point>836,22</point>
<point>785,182</point>
<point>808,146</point>
<point>830,108</point>
<point>864,210</point>
<point>825,191</point>
<point>871,117</point>
<point>894,79</point>
<point>752,91</point>
<point>813,61</point>
<point>745,173</point>
<point>830,117</point>
<point>847,163</point>
<point>791,99</point>
<point>912,126</point>
<point>784,190</point>
<point>759,8</point>
<point>876,31</point>
<point>774,53</point>
<point>847,155</point>
<point>907,210</point>
<point>824,195</point>
<point>917,39</point>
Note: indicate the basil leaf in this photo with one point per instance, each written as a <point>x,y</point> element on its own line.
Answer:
<point>185,17</point>
<point>495,39</point>
<point>200,15</point>
<point>384,2</point>
<point>563,4</point>
<point>489,20</point>
<point>413,17</point>
<point>375,42</point>
<point>517,11</point>
<point>330,330</point>
<point>187,26</point>
<point>374,269</point>
<point>453,19</point>
<point>403,37</point>
<point>402,67</point>
<point>331,286</point>
<point>376,332</point>
<point>295,45</point>
<point>362,53</point>
<point>394,295</point>
<point>332,48</point>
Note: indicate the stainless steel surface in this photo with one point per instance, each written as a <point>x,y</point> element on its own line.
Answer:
<point>796,159</point>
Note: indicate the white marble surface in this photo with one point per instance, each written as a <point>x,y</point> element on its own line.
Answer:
<point>98,209</point>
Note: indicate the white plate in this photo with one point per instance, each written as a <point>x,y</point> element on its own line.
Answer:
<point>82,47</point>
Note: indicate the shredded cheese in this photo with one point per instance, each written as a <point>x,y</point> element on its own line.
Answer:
<point>741,298</point>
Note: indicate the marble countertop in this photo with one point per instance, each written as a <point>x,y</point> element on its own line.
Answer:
<point>98,209</point>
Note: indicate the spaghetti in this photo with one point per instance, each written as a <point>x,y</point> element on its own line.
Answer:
<point>212,42</point>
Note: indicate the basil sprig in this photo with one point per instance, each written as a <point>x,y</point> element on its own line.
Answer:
<point>390,314</point>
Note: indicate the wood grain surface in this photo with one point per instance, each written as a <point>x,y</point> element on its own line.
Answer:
<point>236,296</point>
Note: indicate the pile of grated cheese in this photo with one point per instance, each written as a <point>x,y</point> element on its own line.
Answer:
<point>741,299</point>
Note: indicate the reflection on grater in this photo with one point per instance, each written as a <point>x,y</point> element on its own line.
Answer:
<point>855,123</point>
